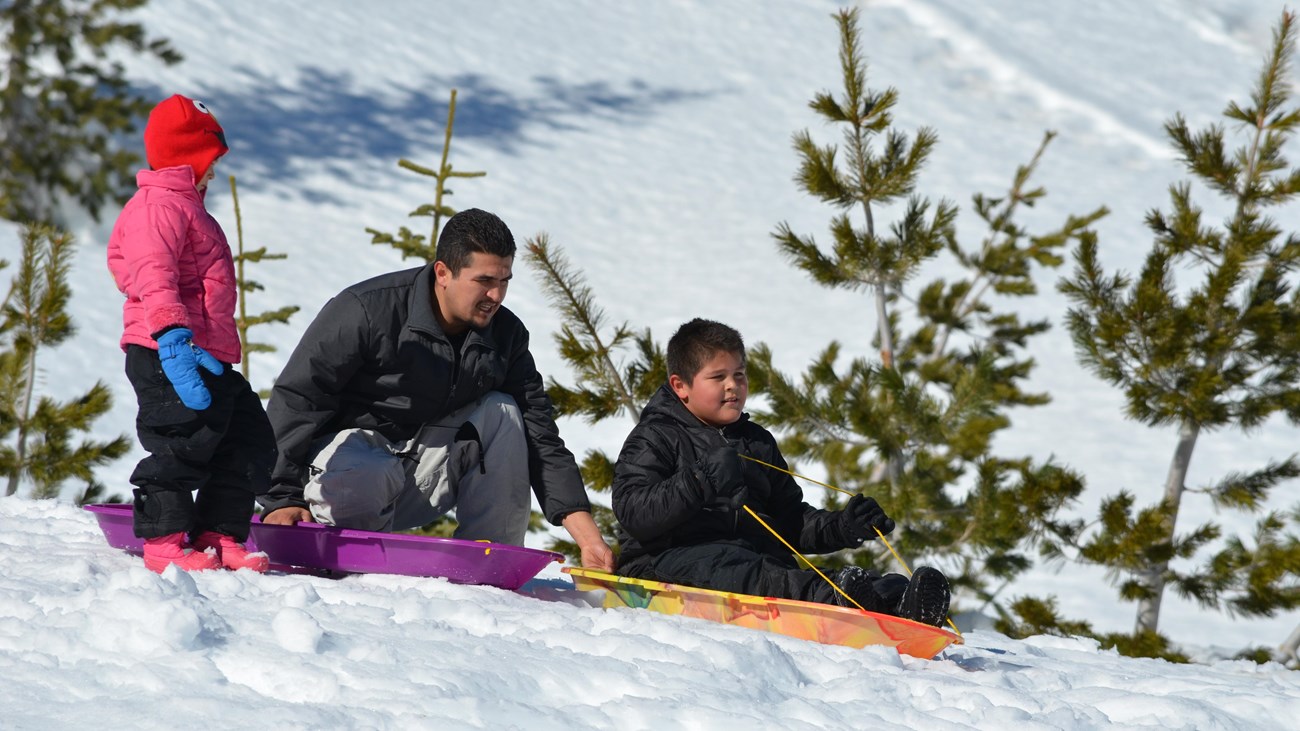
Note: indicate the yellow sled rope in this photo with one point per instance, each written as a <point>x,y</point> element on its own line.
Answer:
<point>810,563</point>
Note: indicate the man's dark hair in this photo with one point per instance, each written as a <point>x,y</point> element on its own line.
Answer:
<point>696,342</point>
<point>473,230</point>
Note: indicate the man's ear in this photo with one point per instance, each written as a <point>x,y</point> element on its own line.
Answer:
<point>679,387</point>
<point>441,273</point>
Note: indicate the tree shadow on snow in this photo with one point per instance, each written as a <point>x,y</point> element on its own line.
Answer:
<point>274,126</point>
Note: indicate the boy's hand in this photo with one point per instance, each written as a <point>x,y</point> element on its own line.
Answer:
<point>862,517</point>
<point>181,360</point>
<point>722,470</point>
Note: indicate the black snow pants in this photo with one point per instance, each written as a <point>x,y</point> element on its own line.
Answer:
<point>225,452</point>
<point>740,567</point>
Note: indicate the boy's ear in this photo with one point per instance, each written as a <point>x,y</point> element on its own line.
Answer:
<point>679,386</point>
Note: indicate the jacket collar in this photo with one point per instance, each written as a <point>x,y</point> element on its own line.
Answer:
<point>420,315</point>
<point>179,179</point>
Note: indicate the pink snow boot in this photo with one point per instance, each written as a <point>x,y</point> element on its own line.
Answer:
<point>232,553</point>
<point>164,551</point>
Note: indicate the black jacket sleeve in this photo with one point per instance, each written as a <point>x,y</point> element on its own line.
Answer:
<point>305,399</point>
<point>552,469</point>
<point>810,530</point>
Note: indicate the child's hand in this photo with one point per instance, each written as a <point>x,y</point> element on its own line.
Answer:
<point>181,360</point>
<point>724,475</point>
<point>862,517</point>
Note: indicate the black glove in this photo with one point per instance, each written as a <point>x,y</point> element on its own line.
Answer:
<point>722,474</point>
<point>862,517</point>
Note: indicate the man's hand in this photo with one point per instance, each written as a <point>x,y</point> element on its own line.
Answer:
<point>595,552</point>
<point>288,516</point>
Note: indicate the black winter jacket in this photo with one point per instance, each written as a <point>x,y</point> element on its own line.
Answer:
<point>662,500</point>
<point>376,358</point>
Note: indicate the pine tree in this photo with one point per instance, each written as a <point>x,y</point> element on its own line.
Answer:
<point>37,433</point>
<point>64,103</point>
<point>915,428</point>
<point>608,386</point>
<point>1220,349</point>
<point>244,321</point>
<point>407,241</point>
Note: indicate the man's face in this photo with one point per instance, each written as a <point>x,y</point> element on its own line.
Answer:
<point>717,393</point>
<point>470,299</point>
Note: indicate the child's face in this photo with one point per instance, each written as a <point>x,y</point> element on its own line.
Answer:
<point>207,177</point>
<point>717,393</point>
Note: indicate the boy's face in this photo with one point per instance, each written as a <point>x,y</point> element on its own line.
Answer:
<point>717,393</point>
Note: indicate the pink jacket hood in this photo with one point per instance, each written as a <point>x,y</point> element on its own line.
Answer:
<point>170,258</point>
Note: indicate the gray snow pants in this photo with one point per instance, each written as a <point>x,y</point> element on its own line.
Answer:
<point>474,460</point>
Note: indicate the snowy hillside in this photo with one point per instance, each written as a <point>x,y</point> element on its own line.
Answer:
<point>88,635</point>
<point>651,141</point>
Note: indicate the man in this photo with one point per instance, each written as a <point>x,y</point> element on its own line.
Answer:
<point>414,393</point>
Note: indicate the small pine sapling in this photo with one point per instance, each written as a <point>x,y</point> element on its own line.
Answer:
<point>1219,350</point>
<point>246,285</point>
<point>38,433</point>
<point>407,241</point>
<point>915,427</point>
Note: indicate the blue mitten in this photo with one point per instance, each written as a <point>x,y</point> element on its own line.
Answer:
<point>181,360</point>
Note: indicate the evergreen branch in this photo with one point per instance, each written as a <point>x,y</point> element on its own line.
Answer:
<point>281,315</point>
<point>567,291</point>
<point>999,224</point>
<point>257,255</point>
<point>416,168</point>
<point>1249,490</point>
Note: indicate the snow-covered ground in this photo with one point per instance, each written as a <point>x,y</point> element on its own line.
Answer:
<point>88,635</point>
<point>651,142</point>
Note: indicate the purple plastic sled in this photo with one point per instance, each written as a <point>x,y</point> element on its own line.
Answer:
<point>325,548</point>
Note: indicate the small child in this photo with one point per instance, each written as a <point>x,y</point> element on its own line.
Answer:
<point>680,482</point>
<point>203,427</point>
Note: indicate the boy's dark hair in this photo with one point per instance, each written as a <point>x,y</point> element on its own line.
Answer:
<point>473,230</point>
<point>696,342</point>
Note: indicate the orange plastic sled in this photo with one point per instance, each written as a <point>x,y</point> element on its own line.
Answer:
<point>803,620</point>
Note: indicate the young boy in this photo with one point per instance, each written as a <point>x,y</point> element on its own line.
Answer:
<point>680,484</point>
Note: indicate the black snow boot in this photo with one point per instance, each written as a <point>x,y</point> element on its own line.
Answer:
<point>891,588</point>
<point>860,584</point>
<point>926,598</point>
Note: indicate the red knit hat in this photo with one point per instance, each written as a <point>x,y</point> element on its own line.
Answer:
<point>181,131</point>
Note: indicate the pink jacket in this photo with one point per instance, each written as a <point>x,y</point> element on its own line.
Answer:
<point>171,260</point>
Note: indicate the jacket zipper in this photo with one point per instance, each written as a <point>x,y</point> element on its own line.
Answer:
<point>735,514</point>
